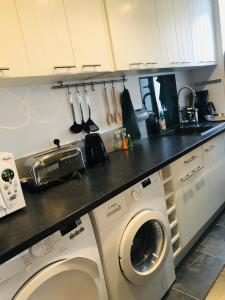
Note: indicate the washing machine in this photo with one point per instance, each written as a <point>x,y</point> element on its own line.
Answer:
<point>64,266</point>
<point>133,234</point>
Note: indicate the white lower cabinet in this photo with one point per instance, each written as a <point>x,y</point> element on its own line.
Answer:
<point>215,168</point>
<point>199,186</point>
<point>192,204</point>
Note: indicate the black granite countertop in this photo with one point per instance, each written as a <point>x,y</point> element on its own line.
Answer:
<point>50,210</point>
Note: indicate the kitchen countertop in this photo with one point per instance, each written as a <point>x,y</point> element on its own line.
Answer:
<point>50,210</point>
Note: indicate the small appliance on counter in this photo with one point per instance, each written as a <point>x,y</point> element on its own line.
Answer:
<point>95,152</point>
<point>11,195</point>
<point>206,109</point>
<point>54,166</point>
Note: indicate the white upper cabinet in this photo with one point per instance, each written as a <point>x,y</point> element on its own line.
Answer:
<point>13,59</point>
<point>183,33</point>
<point>167,33</point>
<point>46,36</point>
<point>134,33</point>
<point>89,35</point>
<point>202,29</point>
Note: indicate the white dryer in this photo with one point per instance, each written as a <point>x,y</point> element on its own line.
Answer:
<point>133,233</point>
<point>64,266</point>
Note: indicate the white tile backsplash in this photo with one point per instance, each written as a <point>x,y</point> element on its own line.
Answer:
<point>31,115</point>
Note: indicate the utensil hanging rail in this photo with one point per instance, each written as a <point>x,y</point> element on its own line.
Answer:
<point>63,85</point>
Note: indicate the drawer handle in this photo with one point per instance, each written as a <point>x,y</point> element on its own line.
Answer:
<point>187,177</point>
<point>210,148</point>
<point>191,159</point>
<point>198,169</point>
<point>4,69</point>
<point>64,67</point>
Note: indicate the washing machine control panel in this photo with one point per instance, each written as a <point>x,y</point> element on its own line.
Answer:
<point>136,194</point>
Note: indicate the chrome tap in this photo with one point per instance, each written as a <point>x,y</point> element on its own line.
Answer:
<point>191,110</point>
<point>191,90</point>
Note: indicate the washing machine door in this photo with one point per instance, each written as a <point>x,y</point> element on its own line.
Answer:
<point>144,246</point>
<point>76,278</point>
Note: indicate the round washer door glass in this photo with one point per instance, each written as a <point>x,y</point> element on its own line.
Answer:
<point>147,246</point>
<point>144,246</point>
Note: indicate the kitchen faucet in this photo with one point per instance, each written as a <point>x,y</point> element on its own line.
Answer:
<point>191,111</point>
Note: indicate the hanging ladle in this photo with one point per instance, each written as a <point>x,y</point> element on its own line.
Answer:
<point>75,128</point>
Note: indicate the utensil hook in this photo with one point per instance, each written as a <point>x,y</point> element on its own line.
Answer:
<point>85,90</point>
<point>112,84</point>
<point>92,87</point>
<point>124,79</point>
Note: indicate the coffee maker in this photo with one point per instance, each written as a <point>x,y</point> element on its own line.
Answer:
<point>205,108</point>
<point>95,152</point>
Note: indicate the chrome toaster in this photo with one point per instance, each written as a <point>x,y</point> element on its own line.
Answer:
<point>54,166</point>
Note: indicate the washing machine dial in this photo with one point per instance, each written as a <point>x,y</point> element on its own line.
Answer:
<point>38,250</point>
<point>135,194</point>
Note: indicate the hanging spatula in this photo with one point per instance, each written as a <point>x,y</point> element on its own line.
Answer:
<point>90,123</point>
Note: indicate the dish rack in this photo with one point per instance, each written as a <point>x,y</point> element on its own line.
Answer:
<point>169,196</point>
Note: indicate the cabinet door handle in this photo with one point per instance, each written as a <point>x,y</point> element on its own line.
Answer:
<point>210,148</point>
<point>64,67</point>
<point>207,61</point>
<point>198,169</point>
<point>136,64</point>
<point>4,69</point>
<point>191,159</point>
<point>89,66</point>
<point>151,63</point>
<point>188,176</point>
<point>176,62</point>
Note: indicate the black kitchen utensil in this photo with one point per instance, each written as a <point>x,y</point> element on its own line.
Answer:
<point>95,151</point>
<point>84,125</point>
<point>90,123</point>
<point>129,116</point>
<point>75,128</point>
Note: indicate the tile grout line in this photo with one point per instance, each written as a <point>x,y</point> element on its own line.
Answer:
<point>185,293</point>
<point>199,251</point>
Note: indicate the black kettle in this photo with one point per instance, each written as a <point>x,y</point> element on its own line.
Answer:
<point>95,152</point>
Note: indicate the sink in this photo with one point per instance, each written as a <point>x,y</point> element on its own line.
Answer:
<point>191,130</point>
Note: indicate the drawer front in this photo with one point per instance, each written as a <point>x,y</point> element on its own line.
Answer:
<point>187,163</point>
<point>211,146</point>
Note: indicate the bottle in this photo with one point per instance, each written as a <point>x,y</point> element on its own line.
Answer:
<point>117,140</point>
<point>162,123</point>
<point>129,142</point>
<point>124,138</point>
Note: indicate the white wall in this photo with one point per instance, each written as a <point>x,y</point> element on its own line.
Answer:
<point>31,115</point>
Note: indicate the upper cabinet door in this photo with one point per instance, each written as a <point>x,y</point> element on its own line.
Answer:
<point>202,29</point>
<point>46,36</point>
<point>209,31</point>
<point>13,59</point>
<point>172,55</point>
<point>183,33</point>
<point>134,33</point>
<point>89,34</point>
